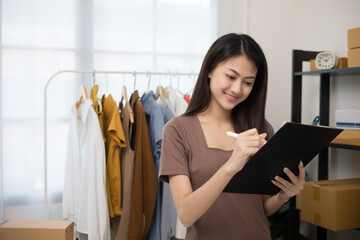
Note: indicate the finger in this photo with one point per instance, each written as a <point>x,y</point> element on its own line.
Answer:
<point>282,187</point>
<point>252,150</point>
<point>263,136</point>
<point>253,144</point>
<point>291,175</point>
<point>253,138</point>
<point>301,171</point>
<point>249,132</point>
<point>295,188</point>
<point>247,139</point>
<point>287,184</point>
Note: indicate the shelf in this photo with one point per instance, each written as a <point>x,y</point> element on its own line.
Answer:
<point>349,139</point>
<point>336,71</point>
<point>344,146</point>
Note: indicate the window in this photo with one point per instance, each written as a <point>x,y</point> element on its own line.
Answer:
<point>40,37</point>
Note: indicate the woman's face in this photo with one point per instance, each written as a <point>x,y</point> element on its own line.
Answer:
<point>231,82</point>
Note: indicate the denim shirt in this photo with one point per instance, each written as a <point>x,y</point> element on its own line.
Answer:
<point>155,122</point>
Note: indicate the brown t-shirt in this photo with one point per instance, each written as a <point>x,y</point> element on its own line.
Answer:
<point>232,216</point>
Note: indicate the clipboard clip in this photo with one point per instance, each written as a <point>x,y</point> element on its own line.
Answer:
<point>316,121</point>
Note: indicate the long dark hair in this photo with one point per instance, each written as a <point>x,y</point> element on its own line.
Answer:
<point>249,113</point>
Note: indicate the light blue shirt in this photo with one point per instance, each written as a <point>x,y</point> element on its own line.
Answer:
<point>155,122</point>
<point>168,210</point>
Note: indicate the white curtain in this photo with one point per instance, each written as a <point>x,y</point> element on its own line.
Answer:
<point>40,37</point>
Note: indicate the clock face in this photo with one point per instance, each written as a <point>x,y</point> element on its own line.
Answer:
<point>326,60</point>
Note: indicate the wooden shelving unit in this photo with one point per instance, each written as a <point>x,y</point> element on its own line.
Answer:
<point>348,139</point>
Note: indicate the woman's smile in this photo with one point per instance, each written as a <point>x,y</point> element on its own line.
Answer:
<point>231,97</point>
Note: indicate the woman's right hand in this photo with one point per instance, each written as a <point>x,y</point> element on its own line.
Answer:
<point>246,145</point>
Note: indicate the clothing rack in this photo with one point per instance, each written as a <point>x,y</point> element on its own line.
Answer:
<point>94,72</point>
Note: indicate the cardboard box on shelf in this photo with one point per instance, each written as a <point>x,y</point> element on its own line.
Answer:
<point>343,62</point>
<point>354,57</point>
<point>354,38</point>
<point>37,230</point>
<point>313,65</point>
<point>331,204</point>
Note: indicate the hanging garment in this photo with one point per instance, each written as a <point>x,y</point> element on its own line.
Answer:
<point>187,98</point>
<point>84,196</point>
<point>127,155</point>
<point>166,109</point>
<point>98,107</point>
<point>177,102</point>
<point>155,122</point>
<point>168,211</point>
<point>115,138</point>
<point>179,105</point>
<point>143,196</point>
<point>100,113</point>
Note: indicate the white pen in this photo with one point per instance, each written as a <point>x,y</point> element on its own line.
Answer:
<point>235,135</point>
<point>232,134</point>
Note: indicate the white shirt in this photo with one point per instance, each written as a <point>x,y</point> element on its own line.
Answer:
<point>84,197</point>
<point>177,102</point>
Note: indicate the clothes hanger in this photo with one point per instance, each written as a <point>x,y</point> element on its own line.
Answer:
<point>170,79</point>
<point>99,104</point>
<point>157,92</point>
<point>178,84</point>
<point>124,95</point>
<point>149,80</point>
<point>83,94</point>
<point>160,91</point>
<point>107,83</point>
<point>124,91</point>
<point>163,92</point>
<point>134,74</point>
<point>189,93</point>
<point>93,77</point>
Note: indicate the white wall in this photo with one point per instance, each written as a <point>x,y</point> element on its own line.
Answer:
<point>282,25</point>
<point>232,16</point>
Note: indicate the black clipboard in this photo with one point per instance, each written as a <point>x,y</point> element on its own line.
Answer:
<point>290,144</point>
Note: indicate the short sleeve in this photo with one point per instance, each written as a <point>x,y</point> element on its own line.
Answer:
<point>174,157</point>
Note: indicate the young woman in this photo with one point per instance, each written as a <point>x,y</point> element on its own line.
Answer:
<point>198,159</point>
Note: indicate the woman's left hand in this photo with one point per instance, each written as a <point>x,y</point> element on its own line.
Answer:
<point>290,189</point>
